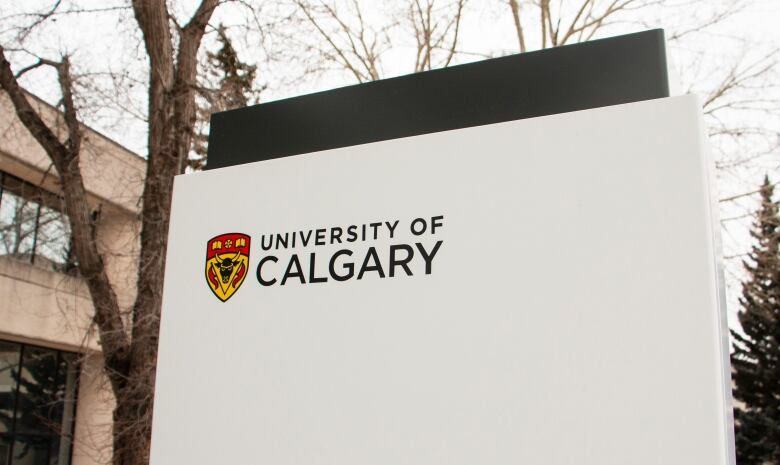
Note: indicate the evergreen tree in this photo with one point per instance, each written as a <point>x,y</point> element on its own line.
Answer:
<point>236,78</point>
<point>231,86</point>
<point>756,356</point>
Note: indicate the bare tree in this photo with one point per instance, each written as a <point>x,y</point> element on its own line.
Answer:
<point>436,29</point>
<point>348,40</point>
<point>129,345</point>
<point>345,38</point>
<point>560,23</point>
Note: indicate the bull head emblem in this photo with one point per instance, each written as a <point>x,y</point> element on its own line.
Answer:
<point>226,266</point>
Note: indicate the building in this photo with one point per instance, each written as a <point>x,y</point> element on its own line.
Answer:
<point>55,405</point>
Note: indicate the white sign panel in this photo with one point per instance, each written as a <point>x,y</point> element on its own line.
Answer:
<point>541,291</point>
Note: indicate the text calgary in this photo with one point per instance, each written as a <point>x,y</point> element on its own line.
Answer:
<point>343,264</point>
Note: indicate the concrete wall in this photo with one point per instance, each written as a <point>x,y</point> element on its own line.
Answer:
<point>42,307</point>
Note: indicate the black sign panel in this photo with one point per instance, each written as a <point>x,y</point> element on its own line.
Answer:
<point>603,72</point>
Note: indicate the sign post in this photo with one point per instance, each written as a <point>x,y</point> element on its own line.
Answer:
<point>542,290</point>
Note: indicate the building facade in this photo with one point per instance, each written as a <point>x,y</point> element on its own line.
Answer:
<point>55,404</point>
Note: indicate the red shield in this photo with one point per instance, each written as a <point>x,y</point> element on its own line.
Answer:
<point>227,262</point>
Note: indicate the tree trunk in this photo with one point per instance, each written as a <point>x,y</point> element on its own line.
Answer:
<point>129,354</point>
<point>172,113</point>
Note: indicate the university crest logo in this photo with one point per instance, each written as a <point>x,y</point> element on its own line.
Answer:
<point>227,262</point>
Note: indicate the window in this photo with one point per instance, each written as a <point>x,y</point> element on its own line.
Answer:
<point>33,226</point>
<point>37,404</point>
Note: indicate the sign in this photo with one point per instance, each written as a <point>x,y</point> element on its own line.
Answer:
<point>540,291</point>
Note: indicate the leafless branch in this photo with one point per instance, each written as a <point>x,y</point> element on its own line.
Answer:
<point>514,7</point>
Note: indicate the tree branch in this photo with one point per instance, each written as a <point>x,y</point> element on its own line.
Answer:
<point>515,7</point>
<point>65,157</point>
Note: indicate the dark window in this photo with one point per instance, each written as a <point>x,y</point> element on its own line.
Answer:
<point>37,404</point>
<point>33,226</point>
